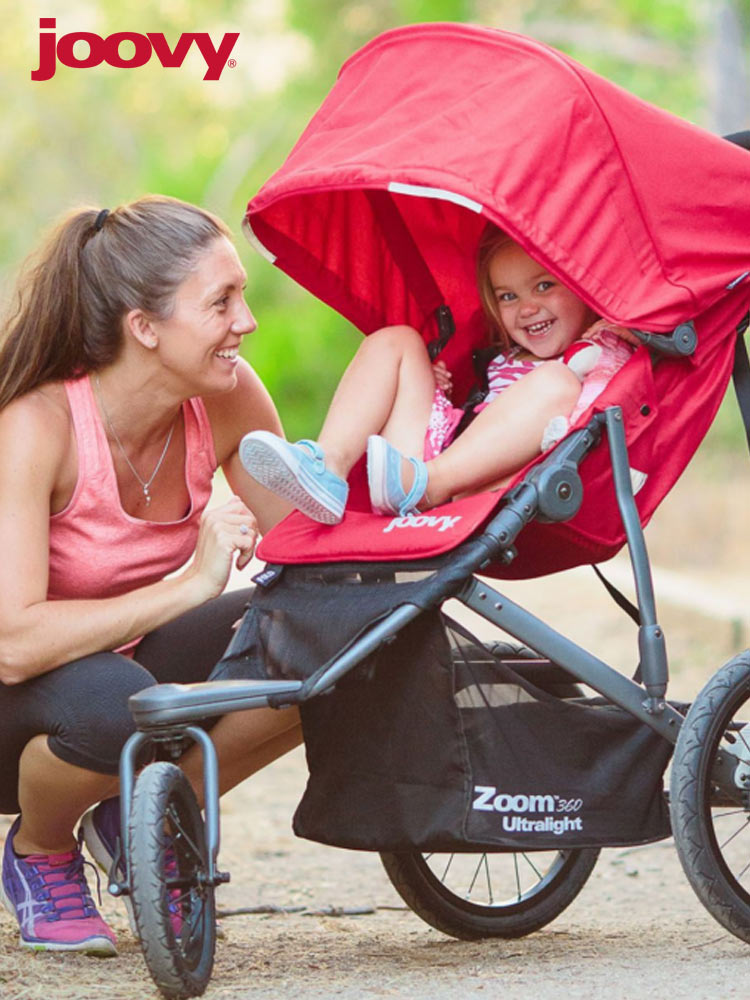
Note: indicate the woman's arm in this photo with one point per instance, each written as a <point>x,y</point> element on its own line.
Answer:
<point>248,407</point>
<point>36,635</point>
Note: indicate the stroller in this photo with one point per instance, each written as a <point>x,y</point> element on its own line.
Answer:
<point>481,771</point>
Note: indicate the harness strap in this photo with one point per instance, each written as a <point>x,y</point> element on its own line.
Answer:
<point>619,598</point>
<point>741,375</point>
<point>627,606</point>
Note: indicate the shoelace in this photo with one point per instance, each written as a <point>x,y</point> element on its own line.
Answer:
<point>46,878</point>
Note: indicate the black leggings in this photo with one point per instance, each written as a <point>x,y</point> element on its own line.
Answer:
<point>82,706</point>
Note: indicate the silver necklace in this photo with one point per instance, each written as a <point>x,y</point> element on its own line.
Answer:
<point>145,484</point>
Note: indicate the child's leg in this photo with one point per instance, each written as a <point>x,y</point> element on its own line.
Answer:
<point>387,389</point>
<point>505,435</point>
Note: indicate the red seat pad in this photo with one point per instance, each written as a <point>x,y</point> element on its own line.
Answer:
<point>373,537</point>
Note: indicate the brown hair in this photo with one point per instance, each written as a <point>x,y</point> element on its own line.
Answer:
<point>74,291</point>
<point>491,240</point>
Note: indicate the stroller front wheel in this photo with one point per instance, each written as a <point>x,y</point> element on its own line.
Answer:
<point>173,902</point>
<point>473,896</point>
<point>713,837</point>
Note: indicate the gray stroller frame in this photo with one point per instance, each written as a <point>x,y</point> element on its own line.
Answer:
<point>711,766</point>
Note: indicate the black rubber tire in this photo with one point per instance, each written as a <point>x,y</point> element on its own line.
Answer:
<point>556,879</point>
<point>164,804</point>
<point>712,841</point>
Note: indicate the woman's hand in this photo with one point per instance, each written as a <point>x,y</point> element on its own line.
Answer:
<point>223,531</point>
<point>622,332</point>
<point>443,377</point>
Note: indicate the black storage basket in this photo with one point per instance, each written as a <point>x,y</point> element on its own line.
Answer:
<point>435,743</point>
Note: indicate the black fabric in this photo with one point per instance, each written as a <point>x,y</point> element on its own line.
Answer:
<point>434,743</point>
<point>741,377</point>
<point>82,706</point>
<point>618,597</point>
<point>627,606</point>
<point>481,359</point>
<point>294,628</point>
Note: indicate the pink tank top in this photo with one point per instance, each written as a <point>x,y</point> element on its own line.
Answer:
<point>95,548</point>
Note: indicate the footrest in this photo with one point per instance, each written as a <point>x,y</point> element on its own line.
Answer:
<point>175,703</point>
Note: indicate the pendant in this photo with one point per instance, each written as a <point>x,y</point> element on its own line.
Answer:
<point>147,495</point>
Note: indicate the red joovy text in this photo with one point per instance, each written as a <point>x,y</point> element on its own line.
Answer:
<point>53,50</point>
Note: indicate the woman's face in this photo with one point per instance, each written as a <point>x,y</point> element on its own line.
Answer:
<point>538,312</point>
<point>200,341</point>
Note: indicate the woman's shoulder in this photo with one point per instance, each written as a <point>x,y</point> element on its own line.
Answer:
<point>39,425</point>
<point>43,408</point>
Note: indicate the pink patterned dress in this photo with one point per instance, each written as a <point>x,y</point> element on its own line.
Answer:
<point>507,368</point>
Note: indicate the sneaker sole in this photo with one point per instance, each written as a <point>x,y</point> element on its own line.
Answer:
<point>272,469</point>
<point>377,476</point>
<point>98,851</point>
<point>100,946</point>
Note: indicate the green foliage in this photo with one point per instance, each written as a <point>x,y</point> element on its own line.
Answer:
<point>103,136</point>
<point>412,11</point>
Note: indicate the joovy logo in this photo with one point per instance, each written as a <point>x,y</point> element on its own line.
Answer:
<point>109,50</point>
<point>515,811</point>
<point>442,523</point>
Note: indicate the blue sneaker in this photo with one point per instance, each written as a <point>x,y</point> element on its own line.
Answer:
<point>297,473</point>
<point>49,897</point>
<point>387,493</point>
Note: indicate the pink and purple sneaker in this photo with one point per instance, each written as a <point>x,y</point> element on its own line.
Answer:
<point>100,829</point>
<point>50,898</point>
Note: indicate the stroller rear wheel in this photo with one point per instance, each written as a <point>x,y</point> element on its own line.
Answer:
<point>173,902</point>
<point>472,896</point>
<point>713,837</point>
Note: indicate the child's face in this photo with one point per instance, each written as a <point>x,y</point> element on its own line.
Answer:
<point>538,313</point>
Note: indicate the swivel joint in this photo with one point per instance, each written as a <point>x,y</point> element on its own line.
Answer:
<point>559,492</point>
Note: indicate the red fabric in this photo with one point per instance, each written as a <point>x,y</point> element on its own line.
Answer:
<point>365,536</point>
<point>642,214</point>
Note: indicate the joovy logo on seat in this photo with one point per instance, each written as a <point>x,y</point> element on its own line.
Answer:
<point>110,50</point>
<point>442,523</point>
<point>515,811</point>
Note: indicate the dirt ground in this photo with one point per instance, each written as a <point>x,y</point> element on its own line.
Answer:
<point>636,931</point>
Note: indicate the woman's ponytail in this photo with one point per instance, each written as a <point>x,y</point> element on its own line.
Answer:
<point>92,269</point>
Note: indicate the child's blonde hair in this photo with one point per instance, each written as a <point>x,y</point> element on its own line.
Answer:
<point>491,241</point>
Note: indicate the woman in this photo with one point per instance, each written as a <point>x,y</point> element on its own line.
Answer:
<point>121,392</point>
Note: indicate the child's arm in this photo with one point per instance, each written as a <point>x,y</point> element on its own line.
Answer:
<point>443,377</point>
<point>585,354</point>
<point>595,359</point>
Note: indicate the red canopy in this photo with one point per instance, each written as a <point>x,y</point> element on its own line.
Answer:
<point>645,216</point>
<point>432,129</point>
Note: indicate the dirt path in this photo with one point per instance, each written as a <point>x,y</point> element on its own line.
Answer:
<point>636,931</point>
